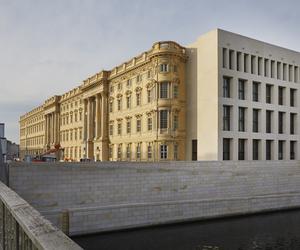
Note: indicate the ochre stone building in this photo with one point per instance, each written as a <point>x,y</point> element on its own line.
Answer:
<point>136,111</point>
<point>224,97</point>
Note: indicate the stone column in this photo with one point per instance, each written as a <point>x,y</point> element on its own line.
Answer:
<point>85,119</point>
<point>97,114</point>
<point>89,115</point>
<point>50,128</point>
<point>54,128</point>
<point>94,116</point>
<point>46,129</point>
<point>100,115</point>
<point>57,127</point>
<point>104,116</point>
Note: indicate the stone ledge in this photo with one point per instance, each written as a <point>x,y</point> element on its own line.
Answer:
<point>41,232</point>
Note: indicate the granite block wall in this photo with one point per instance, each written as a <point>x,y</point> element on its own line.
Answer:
<point>115,195</point>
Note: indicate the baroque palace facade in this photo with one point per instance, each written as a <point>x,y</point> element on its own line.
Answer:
<point>223,97</point>
<point>135,112</point>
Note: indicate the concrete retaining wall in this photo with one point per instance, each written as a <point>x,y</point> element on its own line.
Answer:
<point>109,196</point>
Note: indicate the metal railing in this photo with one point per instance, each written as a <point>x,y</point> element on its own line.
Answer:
<point>22,227</point>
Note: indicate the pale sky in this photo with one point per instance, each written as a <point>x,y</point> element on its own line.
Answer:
<point>48,47</point>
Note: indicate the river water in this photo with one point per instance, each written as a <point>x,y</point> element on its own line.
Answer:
<point>277,230</point>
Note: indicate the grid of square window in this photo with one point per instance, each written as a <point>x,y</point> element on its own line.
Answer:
<point>259,113</point>
<point>258,65</point>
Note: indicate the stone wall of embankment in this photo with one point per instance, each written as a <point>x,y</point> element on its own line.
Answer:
<point>115,195</point>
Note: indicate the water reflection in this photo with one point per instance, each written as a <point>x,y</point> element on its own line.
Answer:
<point>280,230</point>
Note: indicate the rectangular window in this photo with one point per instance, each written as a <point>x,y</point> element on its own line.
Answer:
<point>175,152</point>
<point>75,134</point>
<point>272,69</point>
<point>253,64</point>
<point>290,73</point>
<point>138,125</point>
<point>246,63</point>
<point>268,93</point>
<point>292,150</point>
<point>241,89</point>
<point>280,95</point>
<point>268,121</point>
<point>278,70</point>
<point>119,86</point>
<point>119,151</point>
<point>259,66</point>
<point>238,61</point>
<point>119,128</point>
<point>292,123</point>
<point>149,152</point>
<point>149,96</point>
<point>111,129</point>
<point>226,118</point>
<point>175,122</point>
<point>111,107</point>
<point>255,151</point>
<point>128,151</point>
<point>128,127</point>
<point>226,87</point>
<point>284,72</point>
<point>194,150</point>
<point>119,104</point>
<point>110,152</point>
<point>269,149</point>
<point>266,67</point>
<point>224,58</point>
<point>241,146</point>
<point>242,112</point>
<point>280,122</point>
<point>128,102</point>
<point>138,151</point>
<point>149,123</point>
<point>175,91</point>
<point>226,149</point>
<point>255,91</point>
<point>164,67</point>
<point>231,56</point>
<point>163,119</point>
<point>163,151</point>
<point>280,150</point>
<point>164,89</point>
<point>292,97</point>
<point>139,78</point>
<point>296,74</point>
<point>255,124</point>
<point>138,99</point>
